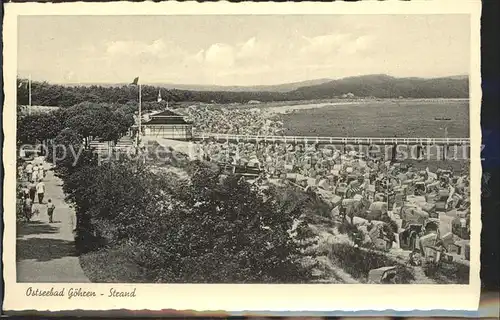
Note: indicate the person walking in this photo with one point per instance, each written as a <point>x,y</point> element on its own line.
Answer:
<point>50,210</point>
<point>28,170</point>
<point>32,190</point>
<point>41,171</point>
<point>26,192</point>
<point>40,189</point>
<point>34,174</point>
<point>28,208</point>
<point>20,172</point>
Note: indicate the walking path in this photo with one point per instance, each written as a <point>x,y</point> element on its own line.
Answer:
<point>46,252</point>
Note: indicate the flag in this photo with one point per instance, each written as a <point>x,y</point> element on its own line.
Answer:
<point>438,241</point>
<point>135,82</point>
<point>159,96</point>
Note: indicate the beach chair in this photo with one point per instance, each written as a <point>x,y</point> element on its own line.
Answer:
<point>384,275</point>
<point>341,189</point>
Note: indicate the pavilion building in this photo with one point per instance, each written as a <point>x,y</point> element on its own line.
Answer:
<point>168,125</point>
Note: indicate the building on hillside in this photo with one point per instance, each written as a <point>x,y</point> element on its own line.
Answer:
<point>23,109</point>
<point>168,125</point>
<point>254,102</point>
<point>349,95</point>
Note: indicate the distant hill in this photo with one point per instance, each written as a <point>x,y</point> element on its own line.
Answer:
<point>384,86</point>
<point>459,77</point>
<point>378,85</point>
<point>286,87</point>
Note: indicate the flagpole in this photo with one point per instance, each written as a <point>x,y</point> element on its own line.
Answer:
<point>29,89</point>
<point>387,193</point>
<point>140,116</point>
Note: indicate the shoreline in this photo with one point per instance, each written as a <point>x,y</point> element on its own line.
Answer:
<point>289,108</point>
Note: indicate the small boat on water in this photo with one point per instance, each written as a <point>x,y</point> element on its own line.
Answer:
<point>446,119</point>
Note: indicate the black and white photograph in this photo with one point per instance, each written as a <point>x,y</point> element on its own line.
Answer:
<point>243,149</point>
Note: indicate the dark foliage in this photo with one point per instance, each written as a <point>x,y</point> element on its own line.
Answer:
<point>214,229</point>
<point>379,86</point>
<point>358,262</point>
<point>382,86</point>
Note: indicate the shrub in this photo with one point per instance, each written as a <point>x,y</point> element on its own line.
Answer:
<point>358,262</point>
<point>212,229</point>
<point>223,230</point>
<point>113,265</point>
<point>454,272</point>
<point>346,227</point>
<point>20,217</point>
<point>108,200</point>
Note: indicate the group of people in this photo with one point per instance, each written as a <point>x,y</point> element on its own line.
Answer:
<point>31,176</point>
<point>249,121</point>
<point>31,172</point>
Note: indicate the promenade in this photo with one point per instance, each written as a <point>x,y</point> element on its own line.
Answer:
<point>45,252</point>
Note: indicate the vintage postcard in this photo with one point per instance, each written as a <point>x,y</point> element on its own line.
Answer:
<point>251,156</point>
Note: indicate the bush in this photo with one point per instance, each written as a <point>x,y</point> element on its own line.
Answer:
<point>107,201</point>
<point>213,229</point>
<point>346,227</point>
<point>223,230</point>
<point>358,262</point>
<point>20,217</point>
<point>454,272</point>
<point>113,265</point>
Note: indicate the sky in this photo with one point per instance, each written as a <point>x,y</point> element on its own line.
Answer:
<point>240,50</point>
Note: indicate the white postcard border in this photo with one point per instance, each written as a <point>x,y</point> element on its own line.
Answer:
<point>317,297</point>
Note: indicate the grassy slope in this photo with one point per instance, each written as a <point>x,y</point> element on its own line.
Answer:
<point>454,272</point>
<point>113,265</point>
<point>116,266</point>
<point>358,262</point>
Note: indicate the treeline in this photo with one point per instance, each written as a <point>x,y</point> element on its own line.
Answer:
<point>378,86</point>
<point>85,120</point>
<point>46,94</point>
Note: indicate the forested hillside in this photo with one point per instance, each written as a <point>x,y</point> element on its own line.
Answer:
<point>378,86</point>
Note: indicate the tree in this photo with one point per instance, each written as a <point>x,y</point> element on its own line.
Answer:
<point>82,124</point>
<point>22,91</point>
<point>27,129</point>
<point>108,200</point>
<point>107,121</point>
<point>221,229</point>
<point>209,228</point>
<point>67,153</point>
<point>38,127</point>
